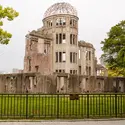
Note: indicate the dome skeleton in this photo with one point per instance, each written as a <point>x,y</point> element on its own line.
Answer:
<point>55,48</point>
<point>60,8</point>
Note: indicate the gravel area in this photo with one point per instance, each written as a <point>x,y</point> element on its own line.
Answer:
<point>120,122</point>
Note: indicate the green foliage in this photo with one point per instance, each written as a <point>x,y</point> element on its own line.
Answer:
<point>9,14</point>
<point>114,48</point>
<point>116,72</point>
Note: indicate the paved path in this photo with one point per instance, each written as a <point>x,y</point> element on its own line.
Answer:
<point>120,122</point>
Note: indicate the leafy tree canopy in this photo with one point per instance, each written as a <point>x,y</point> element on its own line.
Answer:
<point>116,72</point>
<point>9,14</point>
<point>114,48</point>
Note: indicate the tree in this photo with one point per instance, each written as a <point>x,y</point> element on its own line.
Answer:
<point>116,72</point>
<point>114,48</point>
<point>9,14</point>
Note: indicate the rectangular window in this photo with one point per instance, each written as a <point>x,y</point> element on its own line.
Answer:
<point>89,55</point>
<point>64,38</point>
<point>56,70</point>
<point>73,57</point>
<point>64,57</point>
<point>60,21</point>
<point>76,58</point>
<point>60,70</point>
<point>70,38</point>
<point>73,39</point>
<point>70,71</point>
<point>64,22</point>
<point>79,70</point>
<point>73,71</point>
<point>60,38</point>
<point>70,57</point>
<point>56,38</point>
<point>51,22</point>
<point>71,22</point>
<point>56,56</point>
<point>37,68</point>
<point>76,40</point>
<point>57,22</point>
<point>89,70</point>
<point>60,56</point>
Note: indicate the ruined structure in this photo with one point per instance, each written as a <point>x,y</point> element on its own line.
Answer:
<point>56,62</point>
<point>59,83</point>
<point>101,70</point>
<point>55,46</point>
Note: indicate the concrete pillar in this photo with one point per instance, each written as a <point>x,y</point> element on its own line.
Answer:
<point>67,85</point>
<point>19,84</point>
<point>31,84</point>
<point>121,86</point>
<point>62,84</point>
<point>58,85</point>
<point>83,85</point>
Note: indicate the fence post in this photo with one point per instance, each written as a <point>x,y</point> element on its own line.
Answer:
<point>87,105</point>
<point>26,104</point>
<point>57,106</point>
<point>115,104</point>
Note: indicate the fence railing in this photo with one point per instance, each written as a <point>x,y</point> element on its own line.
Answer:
<point>42,106</point>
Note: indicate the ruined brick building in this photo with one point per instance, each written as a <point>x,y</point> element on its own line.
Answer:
<point>55,46</point>
<point>57,62</point>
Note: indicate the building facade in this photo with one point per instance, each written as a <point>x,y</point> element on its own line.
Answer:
<point>55,46</point>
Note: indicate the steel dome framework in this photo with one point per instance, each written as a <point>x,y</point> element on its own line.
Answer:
<point>60,8</point>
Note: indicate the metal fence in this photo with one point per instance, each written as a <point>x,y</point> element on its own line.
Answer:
<point>79,106</point>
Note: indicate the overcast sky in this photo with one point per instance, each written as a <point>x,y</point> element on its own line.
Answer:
<point>95,19</point>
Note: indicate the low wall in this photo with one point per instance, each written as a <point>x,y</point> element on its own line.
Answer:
<point>59,83</point>
<point>31,82</point>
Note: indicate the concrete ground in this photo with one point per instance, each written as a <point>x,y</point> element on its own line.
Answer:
<point>116,122</point>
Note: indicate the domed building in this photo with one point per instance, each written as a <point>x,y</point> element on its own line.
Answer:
<point>55,47</point>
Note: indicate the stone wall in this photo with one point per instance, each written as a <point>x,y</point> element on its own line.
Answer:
<point>33,82</point>
<point>59,83</point>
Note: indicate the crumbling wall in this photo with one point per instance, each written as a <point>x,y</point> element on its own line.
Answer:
<point>59,83</point>
<point>27,82</point>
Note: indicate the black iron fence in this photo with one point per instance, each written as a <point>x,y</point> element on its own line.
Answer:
<point>43,106</point>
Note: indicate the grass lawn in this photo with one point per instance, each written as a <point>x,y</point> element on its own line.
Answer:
<point>60,106</point>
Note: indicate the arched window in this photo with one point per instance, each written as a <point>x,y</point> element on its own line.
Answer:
<point>63,21</point>
<point>51,23</point>
<point>60,22</point>
<point>73,23</point>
